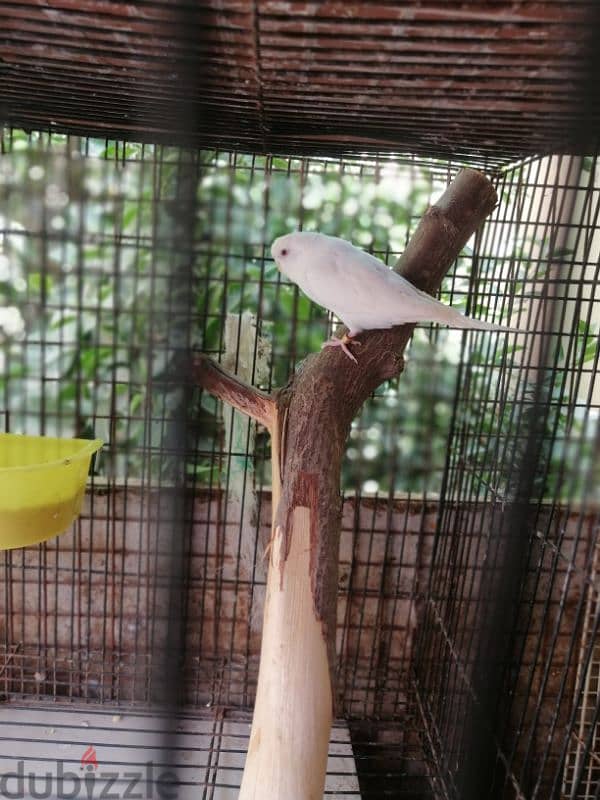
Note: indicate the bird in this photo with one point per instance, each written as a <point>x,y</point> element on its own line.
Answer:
<point>360,289</point>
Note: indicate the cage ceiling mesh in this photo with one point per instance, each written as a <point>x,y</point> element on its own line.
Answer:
<point>492,82</point>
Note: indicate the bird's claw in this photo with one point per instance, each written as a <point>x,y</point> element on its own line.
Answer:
<point>343,342</point>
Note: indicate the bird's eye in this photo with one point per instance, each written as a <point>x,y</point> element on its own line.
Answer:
<point>284,252</point>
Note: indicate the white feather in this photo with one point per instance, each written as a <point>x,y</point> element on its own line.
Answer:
<point>359,288</point>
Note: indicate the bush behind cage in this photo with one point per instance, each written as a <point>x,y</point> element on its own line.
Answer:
<point>87,264</point>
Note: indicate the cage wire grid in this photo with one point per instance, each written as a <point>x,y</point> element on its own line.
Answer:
<point>434,459</point>
<point>539,687</point>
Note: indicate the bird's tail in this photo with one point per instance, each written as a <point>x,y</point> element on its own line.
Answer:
<point>453,318</point>
<point>432,309</point>
<point>480,325</point>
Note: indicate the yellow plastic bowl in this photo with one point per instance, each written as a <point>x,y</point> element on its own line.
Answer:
<point>42,483</point>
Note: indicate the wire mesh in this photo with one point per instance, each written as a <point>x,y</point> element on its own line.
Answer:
<point>95,318</point>
<point>97,323</point>
<point>500,644</point>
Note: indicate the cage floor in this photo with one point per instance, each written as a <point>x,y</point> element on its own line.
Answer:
<point>82,752</point>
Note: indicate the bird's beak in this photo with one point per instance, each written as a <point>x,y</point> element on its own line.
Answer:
<point>275,250</point>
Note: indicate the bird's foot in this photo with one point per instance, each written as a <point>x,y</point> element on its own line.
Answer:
<point>343,342</point>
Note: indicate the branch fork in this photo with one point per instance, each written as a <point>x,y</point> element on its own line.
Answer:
<point>225,386</point>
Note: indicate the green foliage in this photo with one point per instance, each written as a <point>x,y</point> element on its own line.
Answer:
<point>86,275</point>
<point>78,246</point>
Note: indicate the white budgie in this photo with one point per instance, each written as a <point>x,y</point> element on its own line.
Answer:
<point>359,288</point>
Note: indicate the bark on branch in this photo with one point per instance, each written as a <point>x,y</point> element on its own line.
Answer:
<point>226,387</point>
<point>287,754</point>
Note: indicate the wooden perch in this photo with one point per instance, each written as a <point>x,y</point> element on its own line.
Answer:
<point>309,420</point>
<point>240,395</point>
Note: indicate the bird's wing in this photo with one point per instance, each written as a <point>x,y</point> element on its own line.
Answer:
<point>350,278</point>
<point>364,293</point>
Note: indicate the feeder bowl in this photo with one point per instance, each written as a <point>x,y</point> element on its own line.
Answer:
<point>42,483</point>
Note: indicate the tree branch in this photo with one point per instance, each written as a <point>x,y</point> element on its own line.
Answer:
<point>225,386</point>
<point>327,390</point>
<point>309,420</point>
